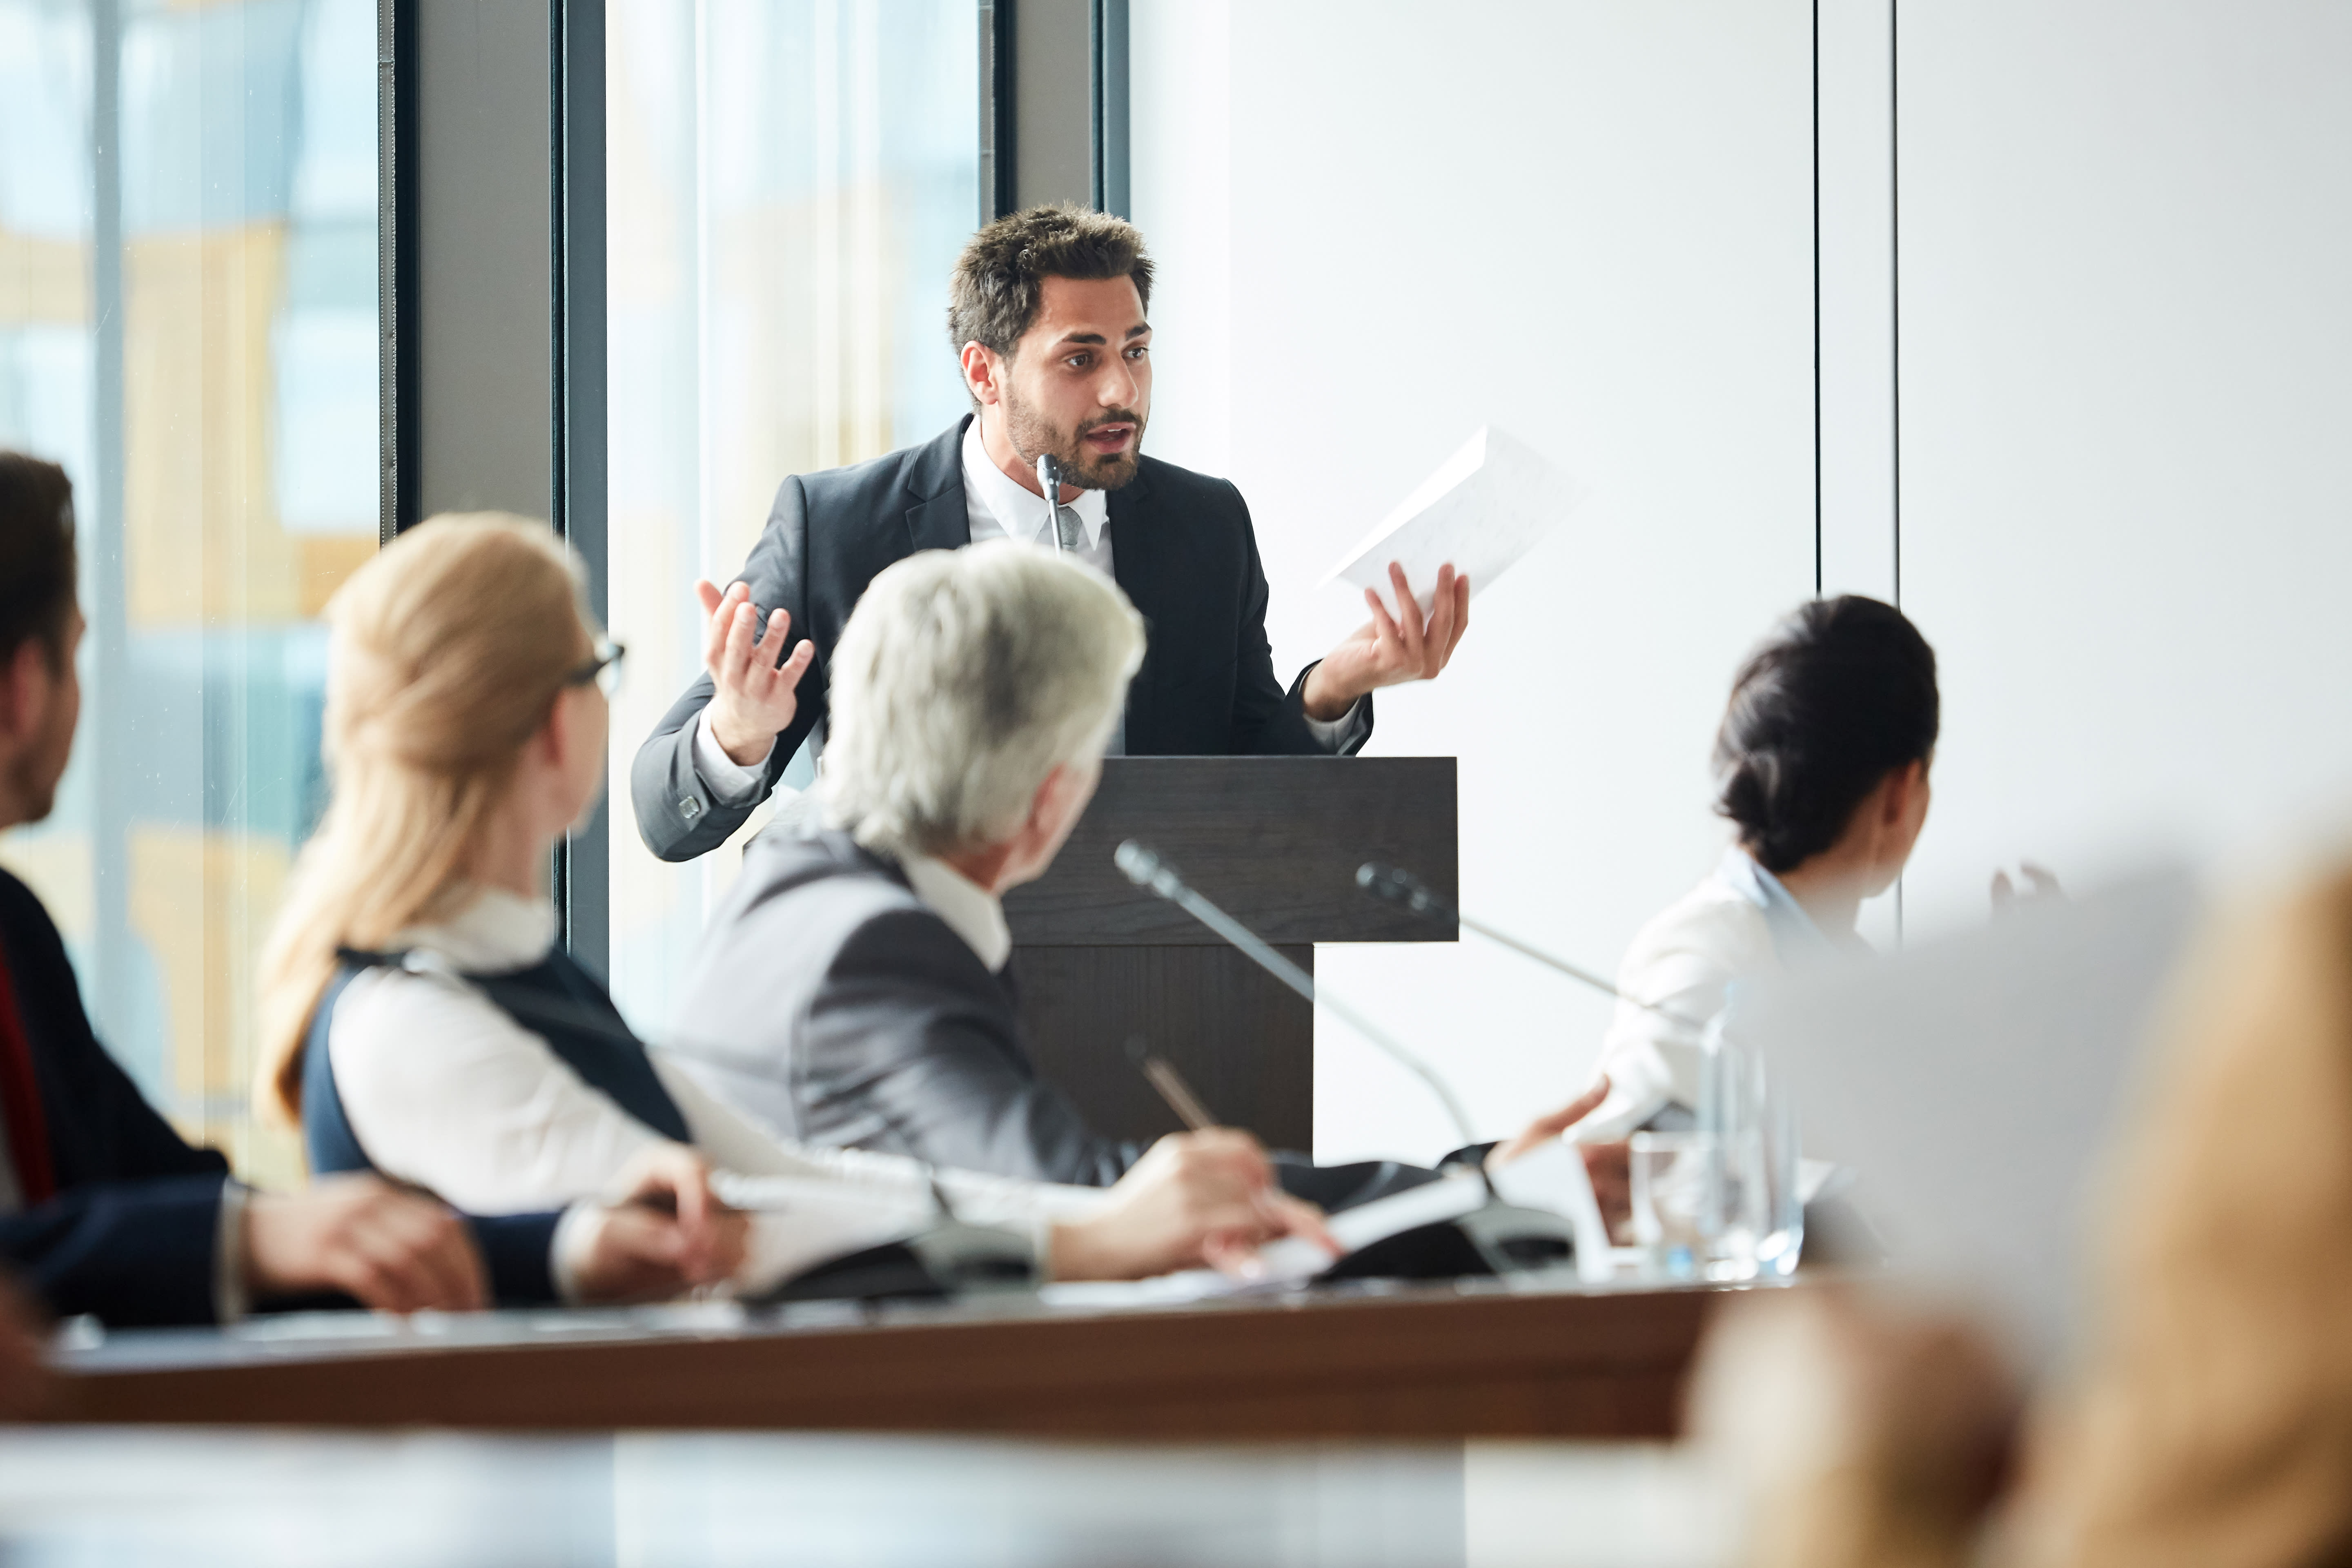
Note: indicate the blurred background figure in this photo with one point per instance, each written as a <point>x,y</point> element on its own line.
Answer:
<point>2208,1416</point>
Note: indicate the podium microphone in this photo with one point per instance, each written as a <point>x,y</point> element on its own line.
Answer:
<point>1496,1236</point>
<point>1147,870</point>
<point>1049,483</point>
<point>1400,887</point>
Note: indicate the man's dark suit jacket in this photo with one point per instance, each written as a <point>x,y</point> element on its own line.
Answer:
<point>130,1237</point>
<point>832,1004</point>
<point>1182,548</point>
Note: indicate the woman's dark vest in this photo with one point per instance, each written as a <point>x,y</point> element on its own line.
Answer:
<point>555,999</point>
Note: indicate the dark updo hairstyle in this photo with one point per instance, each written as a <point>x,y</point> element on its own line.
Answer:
<point>1841,694</point>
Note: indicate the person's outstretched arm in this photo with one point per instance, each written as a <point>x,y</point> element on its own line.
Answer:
<point>719,750</point>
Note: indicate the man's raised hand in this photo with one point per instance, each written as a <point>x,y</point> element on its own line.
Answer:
<point>1389,649</point>
<point>755,687</point>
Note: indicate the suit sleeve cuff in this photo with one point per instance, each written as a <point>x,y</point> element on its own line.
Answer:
<point>731,782</point>
<point>1350,729</point>
<point>231,1300</point>
<point>576,1235</point>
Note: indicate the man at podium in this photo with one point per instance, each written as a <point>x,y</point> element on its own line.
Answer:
<point>852,988</point>
<point>1048,315</point>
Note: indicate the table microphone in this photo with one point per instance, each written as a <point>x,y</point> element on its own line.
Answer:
<point>1402,887</point>
<point>1496,1238</point>
<point>1049,484</point>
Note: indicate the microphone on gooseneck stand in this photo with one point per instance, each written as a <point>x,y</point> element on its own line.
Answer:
<point>1400,886</point>
<point>1492,1237</point>
<point>1049,483</point>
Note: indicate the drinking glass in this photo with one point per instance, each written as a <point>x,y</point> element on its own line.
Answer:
<point>1674,1201</point>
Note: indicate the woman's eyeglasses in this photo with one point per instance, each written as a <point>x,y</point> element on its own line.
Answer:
<point>604,670</point>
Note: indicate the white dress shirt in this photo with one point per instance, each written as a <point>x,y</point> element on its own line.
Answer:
<point>1739,922</point>
<point>971,910</point>
<point>997,506</point>
<point>444,1088</point>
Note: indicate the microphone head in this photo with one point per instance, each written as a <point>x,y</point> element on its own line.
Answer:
<point>1049,476</point>
<point>1140,865</point>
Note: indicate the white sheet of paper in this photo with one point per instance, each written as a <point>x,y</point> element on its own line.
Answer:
<point>1484,508</point>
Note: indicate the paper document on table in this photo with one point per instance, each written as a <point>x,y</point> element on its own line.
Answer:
<point>1482,509</point>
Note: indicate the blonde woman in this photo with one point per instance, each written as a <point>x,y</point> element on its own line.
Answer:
<point>422,1021</point>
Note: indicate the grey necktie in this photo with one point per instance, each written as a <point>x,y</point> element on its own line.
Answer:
<point>1073,532</point>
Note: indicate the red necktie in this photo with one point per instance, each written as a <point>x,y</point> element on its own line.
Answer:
<point>20,1100</point>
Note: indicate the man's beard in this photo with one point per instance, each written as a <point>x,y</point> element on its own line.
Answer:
<point>1034,437</point>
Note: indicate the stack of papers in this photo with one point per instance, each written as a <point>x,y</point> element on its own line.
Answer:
<point>1485,507</point>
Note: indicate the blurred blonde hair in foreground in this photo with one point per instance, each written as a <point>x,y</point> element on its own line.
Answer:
<point>448,649</point>
<point>2209,1417</point>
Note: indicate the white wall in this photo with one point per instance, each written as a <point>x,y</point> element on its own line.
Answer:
<point>1381,225</point>
<point>2125,367</point>
<point>2126,374</point>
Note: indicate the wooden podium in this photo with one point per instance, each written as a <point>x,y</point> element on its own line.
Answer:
<point>1275,841</point>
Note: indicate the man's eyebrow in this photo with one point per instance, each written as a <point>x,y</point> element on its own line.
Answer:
<point>1136,331</point>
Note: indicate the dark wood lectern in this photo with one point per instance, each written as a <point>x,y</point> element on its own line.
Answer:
<point>1275,841</point>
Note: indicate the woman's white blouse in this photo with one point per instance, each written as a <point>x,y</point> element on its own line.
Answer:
<point>444,1088</point>
<point>1737,923</point>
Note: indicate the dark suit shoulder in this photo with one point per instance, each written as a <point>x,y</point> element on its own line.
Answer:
<point>24,921</point>
<point>915,473</point>
<point>1161,484</point>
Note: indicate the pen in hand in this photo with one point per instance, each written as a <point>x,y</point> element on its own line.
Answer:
<point>1172,1086</point>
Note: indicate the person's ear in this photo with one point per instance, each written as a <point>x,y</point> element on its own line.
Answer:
<point>983,373</point>
<point>22,681</point>
<point>1046,807</point>
<point>553,741</point>
<point>1902,789</point>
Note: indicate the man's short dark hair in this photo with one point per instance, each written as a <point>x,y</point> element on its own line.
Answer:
<point>37,555</point>
<point>1000,277</point>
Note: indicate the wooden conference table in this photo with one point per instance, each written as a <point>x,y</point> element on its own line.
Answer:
<point>1469,1360</point>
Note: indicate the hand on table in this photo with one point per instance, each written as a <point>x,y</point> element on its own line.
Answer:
<point>1607,1166</point>
<point>755,686</point>
<point>664,1232</point>
<point>1388,650</point>
<point>395,1250</point>
<point>1194,1198</point>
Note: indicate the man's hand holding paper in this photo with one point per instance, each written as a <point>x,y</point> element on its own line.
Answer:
<point>1389,649</point>
<point>1485,507</point>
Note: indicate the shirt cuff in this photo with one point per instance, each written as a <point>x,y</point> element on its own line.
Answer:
<point>575,1243</point>
<point>231,1300</point>
<point>1334,735</point>
<point>728,780</point>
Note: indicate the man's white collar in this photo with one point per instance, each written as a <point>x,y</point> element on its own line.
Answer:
<point>971,910</point>
<point>1021,514</point>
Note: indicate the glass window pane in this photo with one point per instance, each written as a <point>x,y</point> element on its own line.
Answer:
<point>243,407</point>
<point>789,184</point>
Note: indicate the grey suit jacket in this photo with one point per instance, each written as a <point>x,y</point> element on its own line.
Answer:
<point>1184,553</point>
<point>832,1004</point>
